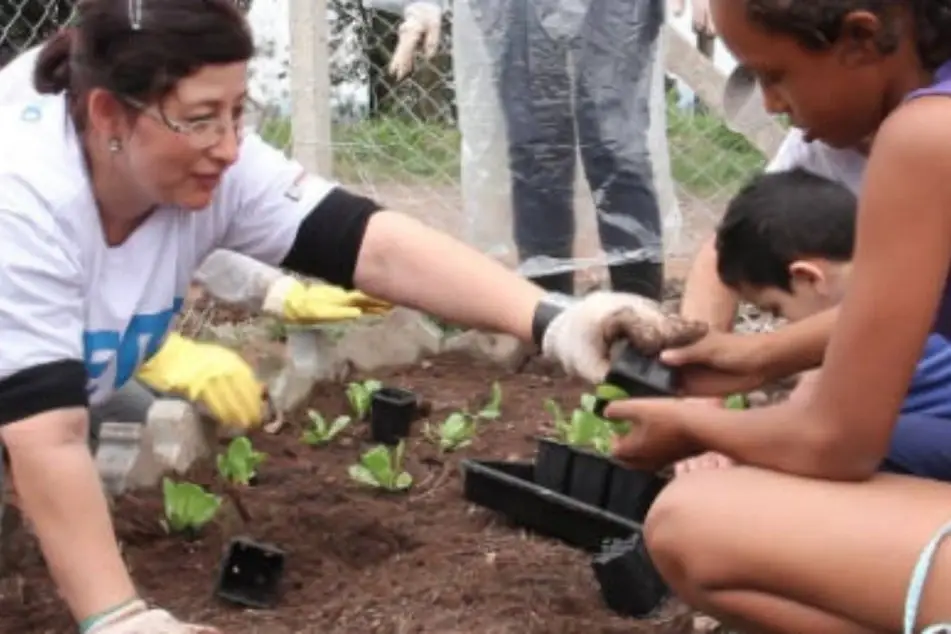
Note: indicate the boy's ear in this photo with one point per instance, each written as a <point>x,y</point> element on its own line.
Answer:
<point>806,272</point>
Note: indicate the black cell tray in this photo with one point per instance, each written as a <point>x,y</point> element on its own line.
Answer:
<point>630,585</point>
<point>509,488</point>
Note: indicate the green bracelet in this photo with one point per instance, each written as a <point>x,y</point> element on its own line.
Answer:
<point>90,621</point>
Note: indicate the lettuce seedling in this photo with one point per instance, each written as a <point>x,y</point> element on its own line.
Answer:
<point>240,462</point>
<point>382,468</point>
<point>360,396</point>
<point>736,401</point>
<point>320,433</point>
<point>492,409</point>
<point>188,507</point>
<point>584,428</point>
<point>454,433</point>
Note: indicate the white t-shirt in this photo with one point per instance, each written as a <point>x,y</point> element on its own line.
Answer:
<point>64,294</point>
<point>841,165</point>
<point>16,78</point>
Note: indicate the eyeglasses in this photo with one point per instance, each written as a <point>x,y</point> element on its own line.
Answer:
<point>201,133</point>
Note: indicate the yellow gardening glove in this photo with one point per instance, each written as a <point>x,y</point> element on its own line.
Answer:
<point>296,302</point>
<point>210,375</point>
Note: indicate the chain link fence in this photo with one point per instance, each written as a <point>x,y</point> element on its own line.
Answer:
<point>399,140</point>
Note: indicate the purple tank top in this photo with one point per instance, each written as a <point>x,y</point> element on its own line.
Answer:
<point>941,86</point>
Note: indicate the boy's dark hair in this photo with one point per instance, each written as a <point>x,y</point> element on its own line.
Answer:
<point>140,48</point>
<point>780,217</point>
<point>818,24</point>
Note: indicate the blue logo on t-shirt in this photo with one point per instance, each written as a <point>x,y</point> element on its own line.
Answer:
<point>139,342</point>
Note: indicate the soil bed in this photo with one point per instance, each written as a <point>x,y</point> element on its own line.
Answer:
<point>360,561</point>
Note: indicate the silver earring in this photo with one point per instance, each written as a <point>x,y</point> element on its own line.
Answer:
<point>115,145</point>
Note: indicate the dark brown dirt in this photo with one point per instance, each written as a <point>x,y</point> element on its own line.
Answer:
<point>425,561</point>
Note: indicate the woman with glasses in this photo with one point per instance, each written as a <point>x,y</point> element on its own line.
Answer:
<point>126,171</point>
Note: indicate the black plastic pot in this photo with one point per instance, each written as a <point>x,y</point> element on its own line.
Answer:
<point>553,464</point>
<point>639,376</point>
<point>630,585</point>
<point>508,488</point>
<point>250,573</point>
<point>589,478</point>
<point>392,411</point>
<point>631,492</point>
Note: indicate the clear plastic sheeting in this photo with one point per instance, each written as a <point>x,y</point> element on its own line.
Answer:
<point>565,166</point>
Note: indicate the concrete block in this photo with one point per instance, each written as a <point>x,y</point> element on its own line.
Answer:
<point>499,349</point>
<point>126,459</point>
<point>402,337</point>
<point>179,434</point>
<point>310,357</point>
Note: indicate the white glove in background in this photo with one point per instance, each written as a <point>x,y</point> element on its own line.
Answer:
<point>700,15</point>
<point>421,28</point>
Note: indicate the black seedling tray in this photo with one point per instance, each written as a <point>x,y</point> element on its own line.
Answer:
<point>630,584</point>
<point>392,411</point>
<point>595,480</point>
<point>250,573</point>
<point>509,488</point>
<point>639,376</point>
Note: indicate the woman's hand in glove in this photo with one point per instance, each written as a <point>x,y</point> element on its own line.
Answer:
<point>296,302</point>
<point>580,337</point>
<point>208,374</point>
<point>137,618</point>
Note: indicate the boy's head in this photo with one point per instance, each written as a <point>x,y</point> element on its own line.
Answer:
<point>785,242</point>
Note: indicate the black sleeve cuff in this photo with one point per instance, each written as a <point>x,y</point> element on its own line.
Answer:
<point>549,307</point>
<point>329,239</point>
<point>43,388</point>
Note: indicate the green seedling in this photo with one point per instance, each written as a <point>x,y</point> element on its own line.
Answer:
<point>492,409</point>
<point>320,433</point>
<point>360,396</point>
<point>736,401</point>
<point>454,433</point>
<point>188,507</point>
<point>608,392</point>
<point>583,429</point>
<point>382,468</point>
<point>240,462</point>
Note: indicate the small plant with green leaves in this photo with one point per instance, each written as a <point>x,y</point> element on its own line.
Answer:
<point>360,396</point>
<point>493,408</point>
<point>188,506</point>
<point>239,463</point>
<point>736,401</point>
<point>320,432</point>
<point>382,468</point>
<point>456,432</point>
<point>584,428</point>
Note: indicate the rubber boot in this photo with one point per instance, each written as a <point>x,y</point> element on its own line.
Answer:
<point>642,278</point>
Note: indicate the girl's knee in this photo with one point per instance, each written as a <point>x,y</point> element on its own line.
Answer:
<point>670,528</point>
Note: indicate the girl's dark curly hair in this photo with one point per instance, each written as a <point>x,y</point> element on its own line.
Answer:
<point>817,24</point>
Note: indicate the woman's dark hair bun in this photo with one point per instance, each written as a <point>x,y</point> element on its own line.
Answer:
<point>51,75</point>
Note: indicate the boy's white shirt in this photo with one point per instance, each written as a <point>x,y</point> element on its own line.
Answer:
<point>64,294</point>
<point>843,166</point>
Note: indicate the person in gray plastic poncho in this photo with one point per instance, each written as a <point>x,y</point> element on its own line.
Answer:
<point>569,75</point>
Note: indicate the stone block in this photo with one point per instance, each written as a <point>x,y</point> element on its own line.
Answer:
<point>126,459</point>
<point>503,350</point>
<point>401,337</point>
<point>180,436</point>
<point>310,357</point>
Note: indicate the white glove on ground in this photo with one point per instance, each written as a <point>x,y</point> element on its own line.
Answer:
<point>700,15</point>
<point>581,336</point>
<point>421,21</point>
<point>136,618</point>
